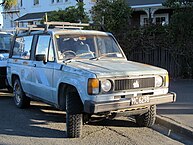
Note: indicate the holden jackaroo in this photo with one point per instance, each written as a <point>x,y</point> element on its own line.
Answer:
<point>85,73</point>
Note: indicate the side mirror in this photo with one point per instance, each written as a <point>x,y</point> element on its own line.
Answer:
<point>41,57</point>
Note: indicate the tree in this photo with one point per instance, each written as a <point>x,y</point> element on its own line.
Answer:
<point>114,14</point>
<point>74,14</point>
<point>8,4</point>
<point>181,33</point>
<point>178,3</point>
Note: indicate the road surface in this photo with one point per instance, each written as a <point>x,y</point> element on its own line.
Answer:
<point>41,124</point>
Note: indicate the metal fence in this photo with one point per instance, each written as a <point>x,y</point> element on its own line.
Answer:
<point>158,57</point>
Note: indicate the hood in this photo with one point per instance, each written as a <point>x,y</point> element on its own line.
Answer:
<point>110,68</point>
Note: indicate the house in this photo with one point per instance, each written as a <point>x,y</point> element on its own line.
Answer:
<point>32,11</point>
<point>149,11</point>
<point>9,16</point>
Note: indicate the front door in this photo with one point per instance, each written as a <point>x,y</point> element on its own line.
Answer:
<point>42,77</point>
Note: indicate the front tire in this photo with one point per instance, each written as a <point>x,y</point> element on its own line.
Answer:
<point>147,119</point>
<point>20,99</point>
<point>74,115</point>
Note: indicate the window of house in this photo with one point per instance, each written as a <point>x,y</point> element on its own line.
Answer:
<point>30,23</point>
<point>22,47</point>
<point>21,24</point>
<point>145,21</point>
<point>36,2</point>
<point>160,19</point>
<point>59,1</point>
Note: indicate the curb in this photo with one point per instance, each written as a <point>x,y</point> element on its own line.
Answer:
<point>174,126</point>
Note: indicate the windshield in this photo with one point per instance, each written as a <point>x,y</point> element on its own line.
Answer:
<point>87,47</point>
<point>5,42</point>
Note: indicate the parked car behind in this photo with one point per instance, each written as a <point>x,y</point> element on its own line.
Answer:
<point>85,73</point>
<point>5,45</point>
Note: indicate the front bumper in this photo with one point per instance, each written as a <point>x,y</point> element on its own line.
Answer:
<point>96,107</point>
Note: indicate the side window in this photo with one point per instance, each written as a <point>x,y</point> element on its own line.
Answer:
<point>22,47</point>
<point>43,44</point>
<point>51,52</point>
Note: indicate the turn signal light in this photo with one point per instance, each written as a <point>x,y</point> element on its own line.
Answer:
<point>93,86</point>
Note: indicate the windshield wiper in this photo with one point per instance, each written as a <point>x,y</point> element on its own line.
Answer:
<point>76,57</point>
<point>104,55</point>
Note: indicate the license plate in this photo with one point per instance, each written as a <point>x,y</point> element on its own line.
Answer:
<point>140,100</point>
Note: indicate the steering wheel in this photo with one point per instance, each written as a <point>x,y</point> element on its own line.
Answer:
<point>69,52</point>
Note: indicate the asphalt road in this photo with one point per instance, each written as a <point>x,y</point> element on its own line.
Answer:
<point>41,124</point>
<point>182,110</point>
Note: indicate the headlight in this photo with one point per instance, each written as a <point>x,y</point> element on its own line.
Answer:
<point>158,81</point>
<point>93,86</point>
<point>166,79</point>
<point>106,85</point>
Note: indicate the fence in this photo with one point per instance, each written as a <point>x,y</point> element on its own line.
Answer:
<point>158,57</point>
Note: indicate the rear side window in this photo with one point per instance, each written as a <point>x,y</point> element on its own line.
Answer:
<point>22,47</point>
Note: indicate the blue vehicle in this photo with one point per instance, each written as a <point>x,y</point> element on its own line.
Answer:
<point>5,44</point>
<point>85,73</point>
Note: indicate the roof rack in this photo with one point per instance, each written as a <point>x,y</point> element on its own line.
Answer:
<point>7,30</point>
<point>66,24</point>
<point>47,25</point>
<point>28,29</point>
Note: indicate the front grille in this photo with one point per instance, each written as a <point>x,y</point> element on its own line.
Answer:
<point>138,83</point>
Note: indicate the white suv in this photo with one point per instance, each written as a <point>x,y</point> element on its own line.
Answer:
<point>84,72</point>
<point>5,45</point>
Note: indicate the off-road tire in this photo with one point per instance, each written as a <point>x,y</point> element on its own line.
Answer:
<point>147,119</point>
<point>20,99</point>
<point>74,115</point>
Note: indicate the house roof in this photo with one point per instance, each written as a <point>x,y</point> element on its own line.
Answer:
<point>31,16</point>
<point>145,3</point>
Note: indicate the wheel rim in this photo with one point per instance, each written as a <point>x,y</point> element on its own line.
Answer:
<point>17,93</point>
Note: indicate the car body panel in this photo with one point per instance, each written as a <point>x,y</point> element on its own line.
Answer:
<point>43,78</point>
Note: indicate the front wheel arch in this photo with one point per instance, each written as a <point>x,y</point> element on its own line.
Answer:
<point>62,90</point>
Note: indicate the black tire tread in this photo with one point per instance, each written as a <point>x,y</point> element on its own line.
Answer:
<point>25,102</point>
<point>147,119</point>
<point>74,118</point>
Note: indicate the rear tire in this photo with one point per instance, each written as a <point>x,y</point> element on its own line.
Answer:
<point>74,115</point>
<point>20,99</point>
<point>147,119</point>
